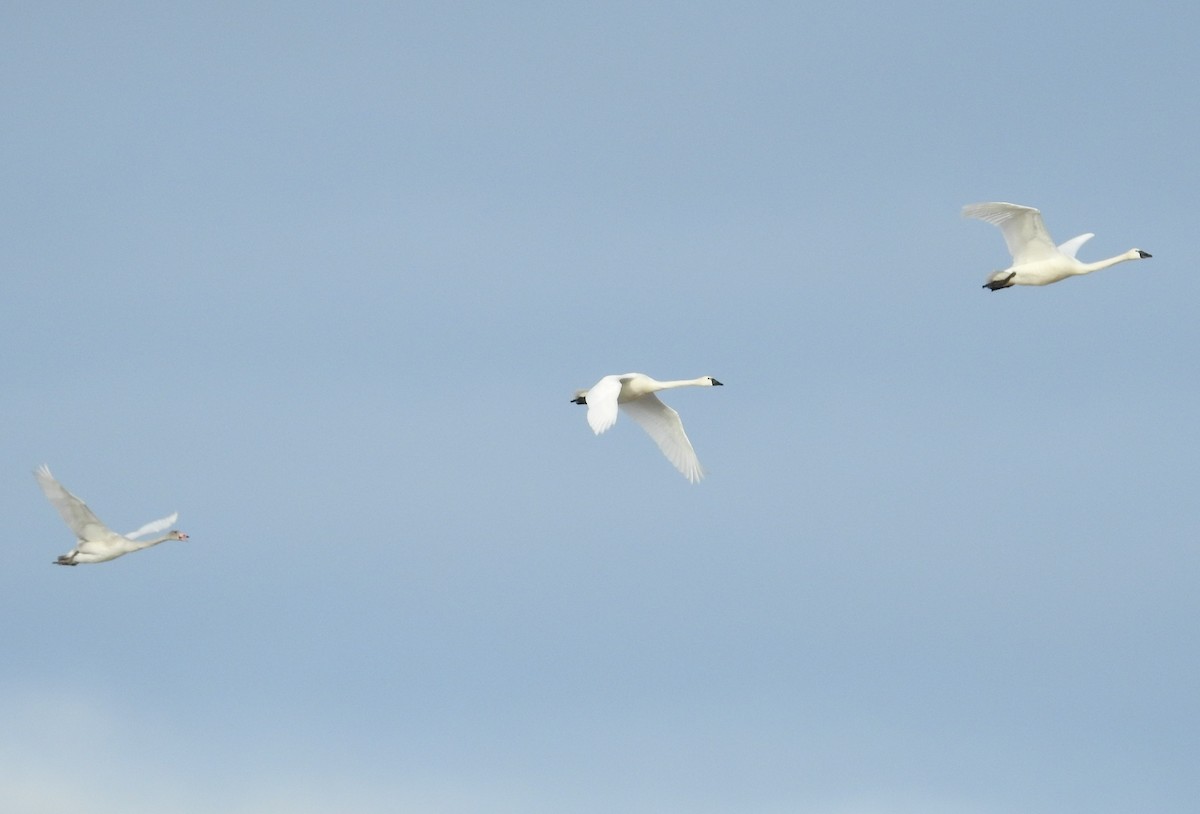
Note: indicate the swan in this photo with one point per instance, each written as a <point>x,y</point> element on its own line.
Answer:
<point>97,542</point>
<point>1036,260</point>
<point>634,393</point>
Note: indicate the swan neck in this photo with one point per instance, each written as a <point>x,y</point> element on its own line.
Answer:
<point>700,382</point>
<point>147,543</point>
<point>1087,268</point>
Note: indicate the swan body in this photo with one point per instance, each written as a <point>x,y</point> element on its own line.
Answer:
<point>1036,260</point>
<point>97,542</point>
<point>634,394</point>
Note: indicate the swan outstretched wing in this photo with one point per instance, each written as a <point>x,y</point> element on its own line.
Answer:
<point>1072,246</point>
<point>602,403</point>
<point>74,511</point>
<point>1024,233</point>
<point>154,526</point>
<point>662,424</point>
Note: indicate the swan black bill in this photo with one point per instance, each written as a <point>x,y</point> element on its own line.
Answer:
<point>717,383</point>
<point>1143,254</point>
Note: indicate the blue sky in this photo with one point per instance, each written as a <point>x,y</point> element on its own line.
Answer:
<point>323,280</point>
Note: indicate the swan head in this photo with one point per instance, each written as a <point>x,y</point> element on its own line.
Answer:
<point>176,535</point>
<point>713,382</point>
<point>1141,255</point>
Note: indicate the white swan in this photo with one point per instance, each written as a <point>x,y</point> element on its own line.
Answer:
<point>1036,260</point>
<point>97,542</point>
<point>634,393</point>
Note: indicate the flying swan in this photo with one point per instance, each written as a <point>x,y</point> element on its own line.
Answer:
<point>97,542</point>
<point>1036,260</point>
<point>634,393</point>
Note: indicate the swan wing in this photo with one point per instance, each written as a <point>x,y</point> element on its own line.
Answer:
<point>154,526</point>
<point>75,513</point>
<point>602,403</point>
<point>1024,233</point>
<point>1072,246</point>
<point>662,424</point>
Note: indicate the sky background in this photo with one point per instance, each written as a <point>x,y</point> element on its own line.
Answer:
<point>324,278</point>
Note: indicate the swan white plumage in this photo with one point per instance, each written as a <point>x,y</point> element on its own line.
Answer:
<point>97,542</point>
<point>634,393</point>
<point>1036,260</point>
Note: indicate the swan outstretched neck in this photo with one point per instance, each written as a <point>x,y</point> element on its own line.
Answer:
<point>96,541</point>
<point>1036,260</point>
<point>634,394</point>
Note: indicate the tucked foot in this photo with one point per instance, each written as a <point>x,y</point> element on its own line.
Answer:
<point>1002,282</point>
